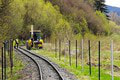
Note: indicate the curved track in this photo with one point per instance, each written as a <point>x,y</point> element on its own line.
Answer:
<point>47,71</point>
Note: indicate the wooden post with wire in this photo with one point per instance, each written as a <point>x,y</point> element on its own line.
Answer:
<point>4,60</point>
<point>112,62</point>
<point>76,55</point>
<point>59,49</point>
<point>2,64</point>
<point>11,54</point>
<point>89,57</point>
<point>69,52</point>
<point>82,61</point>
<point>99,60</point>
<point>12,63</point>
<point>55,48</point>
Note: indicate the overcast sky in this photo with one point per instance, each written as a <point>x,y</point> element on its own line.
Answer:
<point>115,3</point>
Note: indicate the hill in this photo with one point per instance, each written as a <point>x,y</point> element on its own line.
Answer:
<point>114,9</point>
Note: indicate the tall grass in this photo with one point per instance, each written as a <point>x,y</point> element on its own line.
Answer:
<point>49,51</point>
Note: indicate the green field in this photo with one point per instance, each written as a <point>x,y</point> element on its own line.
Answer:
<point>49,52</point>
<point>18,65</point>
<point>105,73</point>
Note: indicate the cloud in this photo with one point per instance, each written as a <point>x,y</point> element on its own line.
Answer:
<point>115,3</point>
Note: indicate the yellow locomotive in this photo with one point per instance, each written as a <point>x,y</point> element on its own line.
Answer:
<point>35,40</point>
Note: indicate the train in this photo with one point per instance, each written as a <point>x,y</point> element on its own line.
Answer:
<point>35,40</point>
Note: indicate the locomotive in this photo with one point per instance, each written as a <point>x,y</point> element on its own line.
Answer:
<point>35,40</point>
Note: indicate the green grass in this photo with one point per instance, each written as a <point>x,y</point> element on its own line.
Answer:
<point>81,75</point>
<point>48,51</point>
<point>18,65</point>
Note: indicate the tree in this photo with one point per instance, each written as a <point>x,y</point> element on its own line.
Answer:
<point>76,12</point>
<point>11,18</point>
<point>5,19</point>
<point>114,17</point>
<point>100,6</point>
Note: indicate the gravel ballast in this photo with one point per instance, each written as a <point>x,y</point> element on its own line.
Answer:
<point>30,71</point>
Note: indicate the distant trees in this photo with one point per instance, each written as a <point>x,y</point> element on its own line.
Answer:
<point>53,17</point>
<point>81,14</point>
<point>11,18</point>
<point>43,16</point>
<point>114,17</point>
<point>100,6</point>
<point>4,18</point>
<point>21,14</point>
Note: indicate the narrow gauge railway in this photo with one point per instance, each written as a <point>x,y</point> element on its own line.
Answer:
<point>47,71</point>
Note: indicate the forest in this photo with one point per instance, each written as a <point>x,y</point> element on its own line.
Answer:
<point>80,36</point>
<point>55,18</point>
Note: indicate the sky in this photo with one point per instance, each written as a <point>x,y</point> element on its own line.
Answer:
<point>115,3</point>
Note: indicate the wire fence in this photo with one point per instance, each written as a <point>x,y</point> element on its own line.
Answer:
<point>6,53</point>
<point>85,52</point>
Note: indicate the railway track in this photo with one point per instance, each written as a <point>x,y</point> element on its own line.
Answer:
<point>46,69</point>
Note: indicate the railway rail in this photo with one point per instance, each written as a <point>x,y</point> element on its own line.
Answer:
<point>46,69</point>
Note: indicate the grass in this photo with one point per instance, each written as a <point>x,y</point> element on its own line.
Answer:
<point>18,65</point>
<point>81,75</point>
<point>48,51</point>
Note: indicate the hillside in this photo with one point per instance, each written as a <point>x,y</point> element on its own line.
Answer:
<point>52,17</point>
<point>114,9</point>
<point>77,36</point>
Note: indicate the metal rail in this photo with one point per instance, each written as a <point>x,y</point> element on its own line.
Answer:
<point>44,59</point>
<point>38,66</point>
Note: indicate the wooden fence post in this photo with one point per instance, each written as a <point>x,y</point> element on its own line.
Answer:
<point>76,54</point>
<point>89,57</point>
<point>59,49</point>
<point>69,52</point>
<point>112,62</point>
<point>5,60</point>
<point>2,64</point>
<point>56,48</point>
<point>99,60</point>
<point>8,46</point>
<point>12,55</point>
<point>82,55</point>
